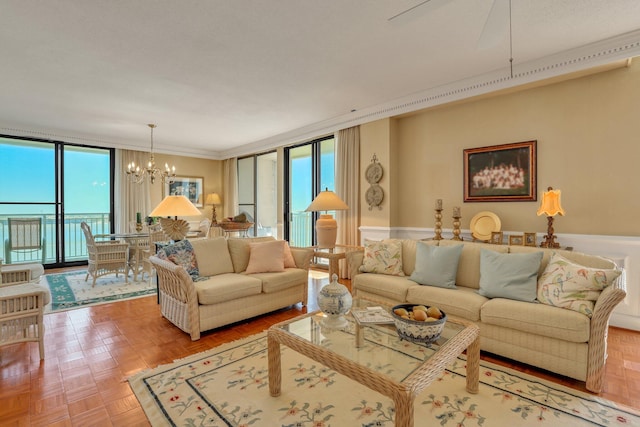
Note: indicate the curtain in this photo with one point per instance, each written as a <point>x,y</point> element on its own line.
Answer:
<point>348,188</point>
<point>230,197</point>
<point>130,197</point>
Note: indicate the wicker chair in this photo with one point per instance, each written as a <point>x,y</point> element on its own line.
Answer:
<point>154,236</point>
<point>105,257</point>
<point>25,235</point>
<point>21,313</point>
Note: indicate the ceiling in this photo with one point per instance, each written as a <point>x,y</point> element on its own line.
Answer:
<point>230,77</point>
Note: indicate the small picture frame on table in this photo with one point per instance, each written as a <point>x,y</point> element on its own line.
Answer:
<point>530,239</point>
<point>516,240</point>
<point>496,237</point>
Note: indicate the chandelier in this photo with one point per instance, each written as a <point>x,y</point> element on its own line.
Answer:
<point>137,174</point>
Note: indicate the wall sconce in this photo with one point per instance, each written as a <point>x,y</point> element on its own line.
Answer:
<point>551,207</point>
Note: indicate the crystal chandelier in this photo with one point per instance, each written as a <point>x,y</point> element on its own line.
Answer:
<point>137,174</point>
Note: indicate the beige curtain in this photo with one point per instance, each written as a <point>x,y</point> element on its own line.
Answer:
<point>130,197</point>
<point>348,188</point>
<point>230,197</point>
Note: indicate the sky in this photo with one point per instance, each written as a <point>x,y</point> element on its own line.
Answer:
<point>27,174</point>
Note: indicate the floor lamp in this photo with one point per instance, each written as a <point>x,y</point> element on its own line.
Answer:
<point>175,206</point>
<point>326,225</point>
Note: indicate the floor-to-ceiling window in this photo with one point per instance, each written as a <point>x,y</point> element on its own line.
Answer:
<point>309,169</point>
<point>61,185</point>
<point>257,192</point>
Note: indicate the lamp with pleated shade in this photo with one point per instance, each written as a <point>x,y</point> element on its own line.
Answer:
<point>551,207</point>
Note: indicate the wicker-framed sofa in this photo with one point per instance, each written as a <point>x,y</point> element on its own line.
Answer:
<point>556,339</point>
<point>224,293</point>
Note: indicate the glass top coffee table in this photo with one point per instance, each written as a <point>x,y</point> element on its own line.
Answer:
<point>359,349</point>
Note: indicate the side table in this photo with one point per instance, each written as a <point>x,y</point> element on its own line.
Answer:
<point>334,255</point>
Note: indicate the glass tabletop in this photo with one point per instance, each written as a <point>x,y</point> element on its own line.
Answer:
<point>382,350</point>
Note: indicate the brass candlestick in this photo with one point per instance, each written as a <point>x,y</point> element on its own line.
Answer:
<point>456,228</point>
<point>138,227</point>
<point>438,226</point>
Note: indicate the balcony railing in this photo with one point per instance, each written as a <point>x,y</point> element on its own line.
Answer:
<point>75,247</point>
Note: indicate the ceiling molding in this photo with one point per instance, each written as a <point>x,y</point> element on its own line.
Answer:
<point>585,57</point>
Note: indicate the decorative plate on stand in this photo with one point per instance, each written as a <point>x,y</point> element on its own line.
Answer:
<point>483,224</point>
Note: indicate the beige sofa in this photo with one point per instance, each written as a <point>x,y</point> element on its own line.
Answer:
<point>556,339</point>
<point>224,293</point>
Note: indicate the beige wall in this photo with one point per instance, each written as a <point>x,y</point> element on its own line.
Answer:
<point>210,170</point>
<point>587,131</point>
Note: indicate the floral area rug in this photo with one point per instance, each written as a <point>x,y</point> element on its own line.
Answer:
<point>228,386</point>
<point>69,290</point>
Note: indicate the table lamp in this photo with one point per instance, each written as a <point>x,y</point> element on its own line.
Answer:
<point>326,225</point>
<point>551,207</point>
<point>175,206</point>
<point>213,199</point>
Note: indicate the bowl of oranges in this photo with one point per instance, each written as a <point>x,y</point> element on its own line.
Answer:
<point>418,323</point>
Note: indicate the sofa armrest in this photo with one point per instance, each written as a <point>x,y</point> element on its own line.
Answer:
<point>302,257</point>
<point>354,261</point>
<point>608,300</point>
<point>175,283</point>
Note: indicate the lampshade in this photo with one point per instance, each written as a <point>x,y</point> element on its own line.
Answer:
<point>175,206</point>
<point>550,205</point>
<point>327,201</point>
<point>213,199</point>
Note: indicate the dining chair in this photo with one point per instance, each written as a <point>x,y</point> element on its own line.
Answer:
<point>154,237</point>
<point>25,236</point>
<point>105,257</point>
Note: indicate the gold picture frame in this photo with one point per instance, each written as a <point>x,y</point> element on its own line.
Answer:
<point>516,240</point>
<point>530,239</point>
<point>192,187</point>
<point>496,237</point>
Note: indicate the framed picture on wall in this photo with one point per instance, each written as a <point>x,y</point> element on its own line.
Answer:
<point>192,187</point>
<point>501,173</point>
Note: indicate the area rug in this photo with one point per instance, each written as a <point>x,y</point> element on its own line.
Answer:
<point>228,386</point>
<point>69,290</point>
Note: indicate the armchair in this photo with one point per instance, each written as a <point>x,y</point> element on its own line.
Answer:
<point>105,257</point>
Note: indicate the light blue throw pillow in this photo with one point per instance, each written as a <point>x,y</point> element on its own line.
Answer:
<point>436,265</point>
<point>512,276</point>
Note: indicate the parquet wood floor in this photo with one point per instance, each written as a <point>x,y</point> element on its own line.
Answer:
<point>91,351</point>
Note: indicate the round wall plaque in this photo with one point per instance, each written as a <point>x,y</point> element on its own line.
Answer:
<point>374,196</point>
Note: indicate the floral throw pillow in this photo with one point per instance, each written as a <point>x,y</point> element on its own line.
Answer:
<point>383,257</point>
<point>573,286</point>
<point>181,253</point>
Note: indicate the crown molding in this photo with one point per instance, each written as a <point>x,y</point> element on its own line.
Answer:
<point>579,59</point>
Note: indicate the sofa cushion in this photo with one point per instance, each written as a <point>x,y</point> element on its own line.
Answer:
<point>436,265</point>
<point>573,286</point>
<point>392,287</point>
<point>383,257</point>
<point>289,261</point>
<point>266,257</point>
<point>181,253</point>
<point>274,282</point>
<point>227,287</point>
<point>213,256</point>
<point>469,264</point>
<point>546,254</point>
<point>460,302</point>
<point>240,251</point>
<point>512,276</point>
<point>538,319</point>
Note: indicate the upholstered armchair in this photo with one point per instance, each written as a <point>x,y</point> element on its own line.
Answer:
<point>105,257</point>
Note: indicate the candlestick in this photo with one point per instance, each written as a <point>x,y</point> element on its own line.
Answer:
<point>438,225</point>
<point>456,224</point>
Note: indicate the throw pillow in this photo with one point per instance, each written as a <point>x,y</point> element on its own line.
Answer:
<point>266,257</point>
<point>383,257</point>
<point>289,262</point>
<point>181,253</point>
<point>512,276</point>
<point>573,286</point>
<point>436,265</point>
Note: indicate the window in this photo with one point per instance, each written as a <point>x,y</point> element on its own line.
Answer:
<point>258,192</point>
<point>63,185</point>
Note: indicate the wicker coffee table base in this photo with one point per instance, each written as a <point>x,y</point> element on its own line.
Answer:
<point>402,394</point>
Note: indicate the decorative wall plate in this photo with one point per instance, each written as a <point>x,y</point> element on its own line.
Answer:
<point>373,173</point>
<point>483,224</point>
<point>374,196</point>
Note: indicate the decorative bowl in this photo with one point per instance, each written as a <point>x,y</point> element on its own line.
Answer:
<point>416,330</point>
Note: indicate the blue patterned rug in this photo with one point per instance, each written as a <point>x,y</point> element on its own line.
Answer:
<point>228,386</point>
<point>69,290</point>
